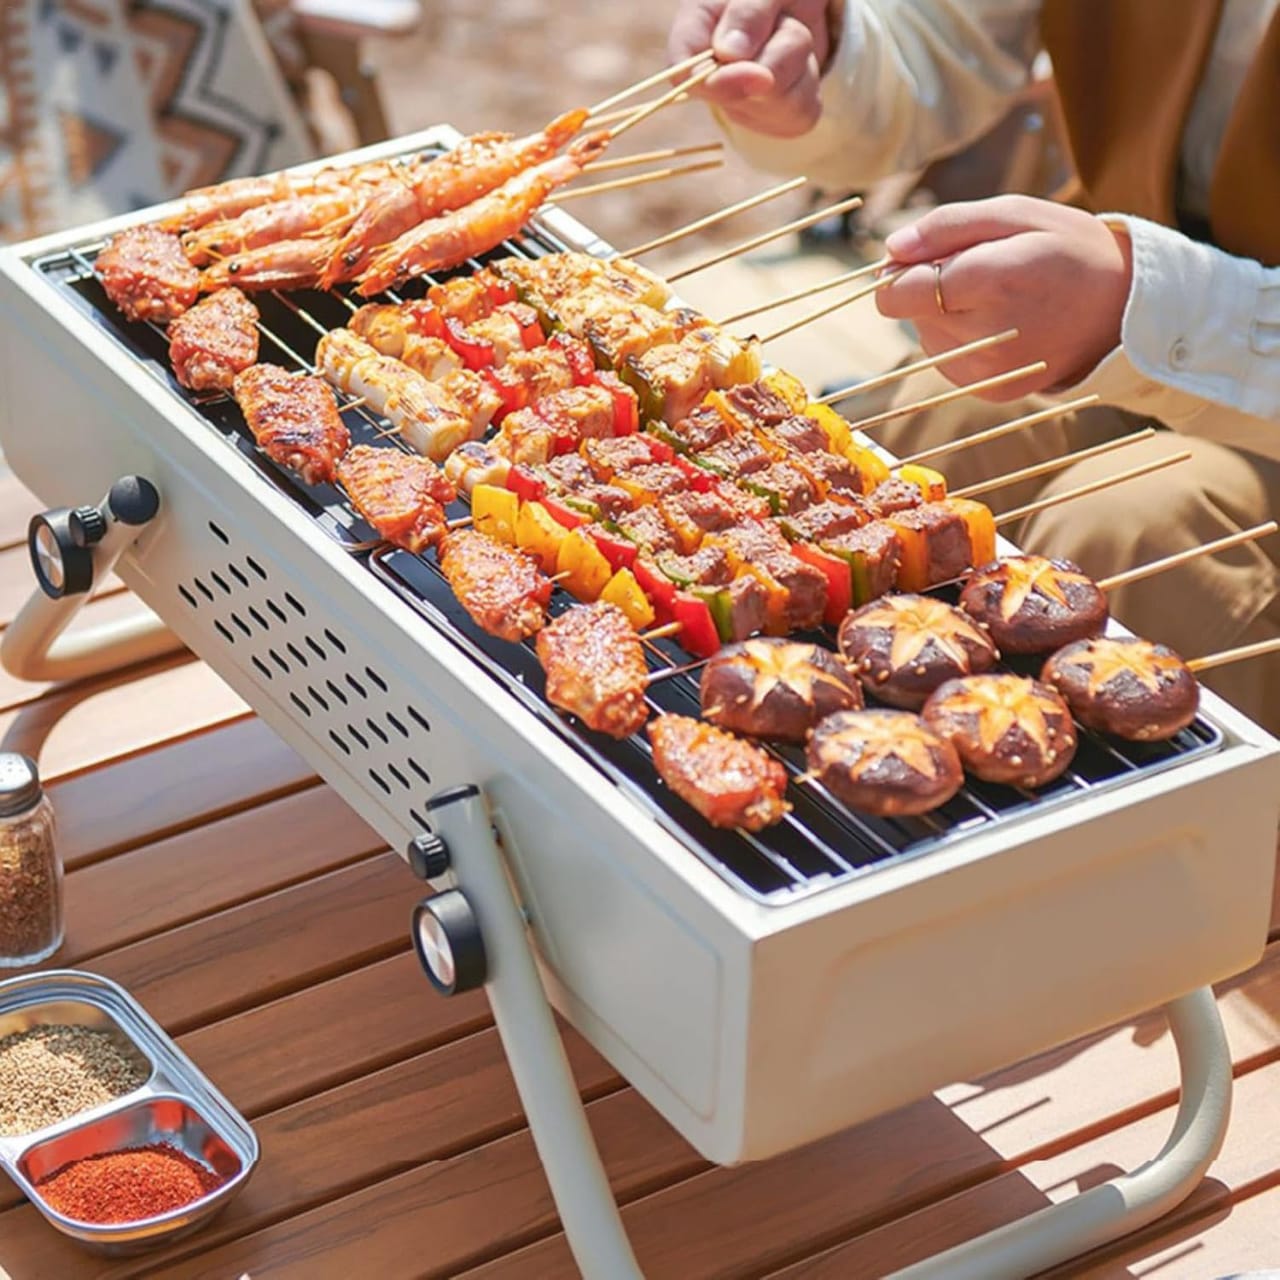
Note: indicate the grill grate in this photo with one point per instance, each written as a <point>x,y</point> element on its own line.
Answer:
<point>819,844</point>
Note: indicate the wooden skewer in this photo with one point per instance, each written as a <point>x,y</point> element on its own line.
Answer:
<point>621,113</point>
<point>560,577</point>
<point>1239,654</point>
<point>650,157</point>
<point>1182,557</point>
<point>355,404</point>
<point>462,522</point>
<point>668,672</point>
<point>650,81</point>
<point>661,633</point>
<point>919,366</point>
<point>946,397</point>
<point>1043,504</point>
<point>1003,429</point>
<point>666,100</point>
<point>855,296</point>
<point>711,219</point>
<point>1052,464</point>
<point>870,269</point>
<point>633,180</point>
<point>800,224</point>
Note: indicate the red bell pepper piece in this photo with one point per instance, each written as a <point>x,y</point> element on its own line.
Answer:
<point>626,409</point>
<point>581,364</point>
<point>700,479</point>
<point>500,291</point>
<point>563,514</point>
<point>660,450</point>
<point>531,332</point>
<point>525,483</point>
<point>838,575</point>
<point>424,319</point>
<point>476,353</point>
<point>617,550</point>
<point>655,584</point>
<point>514,393</point>
<point>698,632</point>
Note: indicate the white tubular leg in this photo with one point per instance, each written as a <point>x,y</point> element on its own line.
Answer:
<point>1105,1213</point>
<point>534,1050</point>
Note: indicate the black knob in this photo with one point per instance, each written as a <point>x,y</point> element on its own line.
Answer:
<point>134,500</point>
<point>428,856</point>
<point>450,947</point>
<point>87,525</point>
<point>63,565</point>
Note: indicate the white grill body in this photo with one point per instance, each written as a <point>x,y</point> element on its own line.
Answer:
<point>753,1028</point>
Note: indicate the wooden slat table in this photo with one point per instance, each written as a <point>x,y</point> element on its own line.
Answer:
<point>265,926</point>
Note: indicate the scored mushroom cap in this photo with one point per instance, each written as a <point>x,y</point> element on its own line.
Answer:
<point>1030,604</point>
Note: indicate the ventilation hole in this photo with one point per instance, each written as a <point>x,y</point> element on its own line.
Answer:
<point>422,823</point>
<point>315,648</point>
<point>225,633</point>
<point>277,611</point>
<point>188,597</point>
<point>202,589</point>
<point>317,697</point>
<point>376,678</point>
<point>299,657</point>
<point>356,685</point>
<point>242,624</point>
<point>295,604</point>
<point>217,533</point>
<point>262,666</point>
<point>298,702</point>
<point>358,736</point>
<point>256,567</point>
<point>423,723</point>
<point>221,581</point>
<point>238,575</point>
<point>259,619</point>
<point>279,661</point>
<point>420,771</point>
<point>333,640</point>
<point>378,731</point>
<point>398,776</point>
<point>397,724</point>
<point>346,750</point>
<point>337,692</point>
<point>380,780</point>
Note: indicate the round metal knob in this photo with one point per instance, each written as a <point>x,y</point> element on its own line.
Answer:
<point>63,564</point>
<point>428,856</point>
<point>88,525</point>
<point>446,936</point>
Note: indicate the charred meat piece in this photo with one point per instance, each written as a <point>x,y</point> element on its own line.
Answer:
<point>1125,686</point>
<point>620,453</point>
<point>894,495</point>
<point>776,689</point>
<point>790,489</point>
<point>730,782</point>
<point>706,567</point>
<point>611,500</point>
<point>698,431</point>
<point>648,530</point>
<point>736,457</point>
<point>903,647</point>
<point>652,481</point>
<point>213,341</point>
<point>400,494</point>
<point>499,586</point>
<point>571,470</point>
<point>873,552</point>
<point>884,762</point>
<point>748,610</point>
<point>1032,605</point>
<point>595,668</point>
<point>1006,728</point>
<point>837,473</point>
<point>948,550</point>
<point>804,435</point>
<point>758,404</point>
<point>146,274</point>
<point>294,419</point>
<point>797,591</point>
<point>824,520</point>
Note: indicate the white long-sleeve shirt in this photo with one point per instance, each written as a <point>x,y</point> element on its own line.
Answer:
<point>913,80</point>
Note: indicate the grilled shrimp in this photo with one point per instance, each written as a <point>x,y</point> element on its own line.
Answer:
<point>287,264</point>
<point>473,168</point>
<point>329,211</point>
<point>444,242</point>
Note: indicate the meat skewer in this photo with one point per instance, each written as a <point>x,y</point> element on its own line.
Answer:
<point>596,668</point>
<point>294,419</point>
<point>499,586</point>
<point>401,495</point>
<point>146,274</point>
<point>213,341</point>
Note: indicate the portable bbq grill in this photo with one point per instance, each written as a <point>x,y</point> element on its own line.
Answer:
<point>760,991</point>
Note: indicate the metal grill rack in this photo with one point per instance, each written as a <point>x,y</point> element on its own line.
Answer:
<point>819,844</point>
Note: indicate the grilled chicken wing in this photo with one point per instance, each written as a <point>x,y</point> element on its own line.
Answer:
<point>401,495</point>
<point>214,341</point>
<point>294,420</point>
<point>146,274</point>
<point>499,586</point>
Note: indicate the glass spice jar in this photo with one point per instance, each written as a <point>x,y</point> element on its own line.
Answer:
<point>31,922</point>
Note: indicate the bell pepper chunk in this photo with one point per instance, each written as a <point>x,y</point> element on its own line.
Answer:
<point>539,534</point>
<point>513,393</point>
<point>475,353</point>
<point>617,550</point>
<point>564,515</point>
<point>582,365</point>
<point>838,575</point>
<point>626,407</point>
<point>660,590</point>
<point>981,523</point>
<point>873,469</point>
<point>789,387</point>
<point>698,631</point>
<point>495,512</point>
<point>839,435</point>
<point>525,483</point>
<point>586,570</point>
<point>932,484</point>
<point>624,591</point>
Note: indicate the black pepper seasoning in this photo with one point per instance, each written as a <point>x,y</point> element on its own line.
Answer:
<point>31,923</point>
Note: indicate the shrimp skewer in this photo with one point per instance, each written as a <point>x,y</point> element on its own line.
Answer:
<point>286,264</point>
<point>440,243</point>
<point>291,219</point>
<point>476,166</point>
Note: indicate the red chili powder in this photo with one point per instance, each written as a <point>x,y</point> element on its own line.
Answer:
<point>128,1185</point>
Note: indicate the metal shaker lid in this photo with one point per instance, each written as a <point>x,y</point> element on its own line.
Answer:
<point>19,783</point>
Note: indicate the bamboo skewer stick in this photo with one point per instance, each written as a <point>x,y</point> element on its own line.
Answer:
<point>621,113</point>
<point>665,101</point>
<point>856,296</point>
<point>800,224</point>
<point>650,157</point>
<point>847,278</point>
<point>919,366</point>
<point>1182,557</point>
<point>1003,429</point>
<point>661,633</point>
<point>946,397</point>
<point>712,218</point>
<point>633,180</point>
<point>1052,464</point>
<point>1239,654</point>
<point>666,673</point>
<point>1094,486</point>
<point>649,82</point>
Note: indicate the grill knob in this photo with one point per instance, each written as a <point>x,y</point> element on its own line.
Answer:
<point>447,938</point>
<point>63,565</point>
<point>428,856</point>
<point>87,525</point>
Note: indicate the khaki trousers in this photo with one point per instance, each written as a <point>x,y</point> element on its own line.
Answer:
<point>1213,603</point>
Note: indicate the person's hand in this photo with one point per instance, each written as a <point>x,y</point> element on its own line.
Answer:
<point>773,51</point>
<point>1059,276</point>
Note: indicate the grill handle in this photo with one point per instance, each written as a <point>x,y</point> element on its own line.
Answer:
<point>70,550</point>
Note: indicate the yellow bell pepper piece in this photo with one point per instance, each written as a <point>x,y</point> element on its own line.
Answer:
<point>587,570</point>
<point>981,524</point>
<point>838,434</point>
<point>624,591</point>
<point>540,534</point>
<point>495,511</point>
<point>932,484</point>
<point>871,466</point>
<point>789,387</point>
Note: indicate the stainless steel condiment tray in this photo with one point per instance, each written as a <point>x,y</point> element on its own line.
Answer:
<point>177,1106</point>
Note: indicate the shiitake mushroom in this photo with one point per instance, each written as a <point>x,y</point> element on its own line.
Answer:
<point>1029,604</point>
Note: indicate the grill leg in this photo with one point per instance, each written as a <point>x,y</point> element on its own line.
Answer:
<point>1116,1208</point>
<point>534,1050</point>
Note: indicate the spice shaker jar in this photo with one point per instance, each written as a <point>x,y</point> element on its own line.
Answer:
<point>31,922</point>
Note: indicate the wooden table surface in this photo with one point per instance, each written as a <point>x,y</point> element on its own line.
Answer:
<point>265,926</point>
